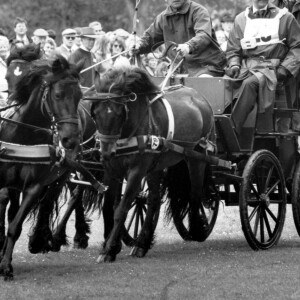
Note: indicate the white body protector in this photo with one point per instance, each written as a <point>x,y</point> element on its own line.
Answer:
<point>261,32</point>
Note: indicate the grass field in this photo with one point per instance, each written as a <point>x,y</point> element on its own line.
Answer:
<point>223,267</point>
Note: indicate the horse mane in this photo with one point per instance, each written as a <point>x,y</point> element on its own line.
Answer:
<point>28,53</point>
<point>42,72</point>
<point>127,80</point>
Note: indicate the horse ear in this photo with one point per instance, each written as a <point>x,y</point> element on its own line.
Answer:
<point>59,65</point>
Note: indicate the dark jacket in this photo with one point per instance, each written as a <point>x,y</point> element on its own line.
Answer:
<point>191,24</point>
<point>288,52</point>
<point>84,59</point>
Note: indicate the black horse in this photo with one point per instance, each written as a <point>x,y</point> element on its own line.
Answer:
<point>131,108</point>
<point>47,97</point>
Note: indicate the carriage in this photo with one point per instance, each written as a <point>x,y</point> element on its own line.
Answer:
<point>247,170</point>
<point>255,181</point>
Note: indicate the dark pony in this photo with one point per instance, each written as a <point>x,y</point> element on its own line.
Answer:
<point>18,64</point>
<point>22,62</point>
<point>47,97</point>
<point>131,109</point>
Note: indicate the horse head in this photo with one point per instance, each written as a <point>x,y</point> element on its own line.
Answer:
<point>64,95</point>
<point>115,110</point>
<point>18,64</point>
<point>48,98</point>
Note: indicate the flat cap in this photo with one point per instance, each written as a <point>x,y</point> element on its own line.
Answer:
<point>40,32</point>
<point>69,31</point>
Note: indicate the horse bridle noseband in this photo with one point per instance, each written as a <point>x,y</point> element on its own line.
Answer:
<point>73,119</point>
<point>110,97</point>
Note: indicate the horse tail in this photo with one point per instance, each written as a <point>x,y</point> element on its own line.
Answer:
<point>177,181</point>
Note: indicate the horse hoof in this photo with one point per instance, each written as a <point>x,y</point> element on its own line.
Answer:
<point>104,258</point>
<point>81,243</point>
<point>8,277</point>
<point>138,252</point>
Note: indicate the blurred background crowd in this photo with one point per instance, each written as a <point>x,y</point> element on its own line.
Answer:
<point>104,28</point>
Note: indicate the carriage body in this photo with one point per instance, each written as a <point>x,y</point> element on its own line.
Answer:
<point>261,155</point>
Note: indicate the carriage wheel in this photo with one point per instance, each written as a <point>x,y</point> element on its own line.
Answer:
<point>295,197</point>
<point>208,207</point>
<point>137,214</point>
<point>262,200</point>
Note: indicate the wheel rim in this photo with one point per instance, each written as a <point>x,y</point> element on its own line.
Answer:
<point>263,202</point>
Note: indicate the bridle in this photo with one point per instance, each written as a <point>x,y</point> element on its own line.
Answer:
<point>111,97</point>
<point>131,97</point>
<point>46,105</point>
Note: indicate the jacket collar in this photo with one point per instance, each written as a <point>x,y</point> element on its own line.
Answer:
<point>182,10</point>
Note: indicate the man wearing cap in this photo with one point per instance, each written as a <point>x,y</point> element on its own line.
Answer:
<point>68,38</point>
<point>84,58</point>
<point>39,37</point>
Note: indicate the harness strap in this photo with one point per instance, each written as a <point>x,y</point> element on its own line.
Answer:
<point>49,131</point>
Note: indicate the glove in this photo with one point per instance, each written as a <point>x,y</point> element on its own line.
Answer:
<point>233,72</point>
<point>282,74</point>
<point>183,49</point>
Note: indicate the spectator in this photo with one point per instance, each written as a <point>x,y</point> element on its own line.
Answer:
<point>97,27</point>
<point>4,52</point>
<point>151,64</point>
<point>39,37</point>
<point>20,28</point>
<point>68,39</point>
<point>162,69</point>
<point>227,22</point>
<point>84,58</point>
<point>101,50</point>
<point>49,49</point>
<point>117,46</point>
<point>77,41</point>
<point>51,34</point>
<point>221,38</point>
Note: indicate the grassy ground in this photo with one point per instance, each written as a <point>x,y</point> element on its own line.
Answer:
<point>223,267</point>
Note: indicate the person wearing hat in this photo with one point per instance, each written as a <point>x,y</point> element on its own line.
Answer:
<point>84,58</point>
<point>77,42</point>
<point>39,37</point>
<point>68,39</point>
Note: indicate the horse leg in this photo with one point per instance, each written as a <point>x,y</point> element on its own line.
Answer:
<point>15,228</point>
<point>81,223</point>
<point>196,215</point>
<point>146,237</point>
<point>4,199</point>
<point>14,197</point>
<point>40,241</point>
<point>112,245</point>
<point>59,235</point>
<point>111,199</point>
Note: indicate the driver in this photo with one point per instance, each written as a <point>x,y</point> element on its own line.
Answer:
<point>188,24</point>
<point>263,50</point>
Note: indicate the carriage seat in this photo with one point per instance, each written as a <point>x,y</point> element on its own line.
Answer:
<point>218,91</point>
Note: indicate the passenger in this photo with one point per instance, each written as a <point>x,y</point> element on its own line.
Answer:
<point>189,25</point>
<point>263,49</point>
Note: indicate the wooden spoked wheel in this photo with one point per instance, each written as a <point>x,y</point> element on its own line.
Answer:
<point>262,200</point>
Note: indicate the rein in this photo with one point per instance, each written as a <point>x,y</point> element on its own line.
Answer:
<point>111,97</point>
<point>54,121</point>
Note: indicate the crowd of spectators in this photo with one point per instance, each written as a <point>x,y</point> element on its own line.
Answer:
<point>83,46</point>
<point>86,46</point>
